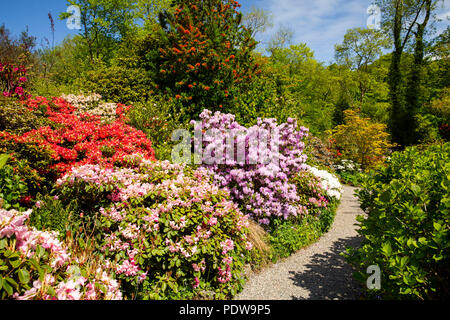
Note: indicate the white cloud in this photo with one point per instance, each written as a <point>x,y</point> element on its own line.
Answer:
<point>443,16</point>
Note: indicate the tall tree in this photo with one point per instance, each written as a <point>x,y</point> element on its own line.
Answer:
<point>257,20</point>
<point>103,24</point>
<point>205,54</point>
<point>360,48</point>
<point>404,19</point>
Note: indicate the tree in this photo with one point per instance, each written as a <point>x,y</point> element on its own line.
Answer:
<point>205,55</point>
<point>280,39</point>
<point>362,140</point>
<point>103,24</point>
<point>361,47</point>
<point>404,19</point>
<point>148,11</point>
<point>257,20</point>
<point>16,50</point>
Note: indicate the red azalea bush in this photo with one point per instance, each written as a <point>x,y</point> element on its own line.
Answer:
<point>73,140</point>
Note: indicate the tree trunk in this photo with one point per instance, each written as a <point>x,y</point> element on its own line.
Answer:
<point>396,124</point>
<point>414,94</point>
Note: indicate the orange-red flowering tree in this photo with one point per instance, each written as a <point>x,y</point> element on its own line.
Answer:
<point>205,55</point>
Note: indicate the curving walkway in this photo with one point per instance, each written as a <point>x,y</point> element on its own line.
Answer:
<point>317,272</point>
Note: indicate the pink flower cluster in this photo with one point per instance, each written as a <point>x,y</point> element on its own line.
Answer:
<point>186,218</point>
<point>262,188</point>
<point>12,80</point>
<point>12,225</point>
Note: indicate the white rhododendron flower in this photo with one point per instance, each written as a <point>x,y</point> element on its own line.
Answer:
<point>329,182</point>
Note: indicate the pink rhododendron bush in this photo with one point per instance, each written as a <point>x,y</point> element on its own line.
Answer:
<point>36,265</point>
<point>167,230</point>
<point>260,180</point>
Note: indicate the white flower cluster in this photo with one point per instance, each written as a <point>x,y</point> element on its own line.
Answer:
<point>329,182</point>
<point>91,104</point>
<point>347,166</point>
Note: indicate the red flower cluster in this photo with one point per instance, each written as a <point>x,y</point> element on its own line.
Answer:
<point>79,140</point>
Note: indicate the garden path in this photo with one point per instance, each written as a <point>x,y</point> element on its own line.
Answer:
<point>317,272</point>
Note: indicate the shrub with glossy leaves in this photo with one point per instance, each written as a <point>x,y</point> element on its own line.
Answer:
<point>406,230</point>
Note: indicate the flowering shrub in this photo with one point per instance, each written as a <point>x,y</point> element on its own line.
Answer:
<point>36,265</point>
<point>92,104</point>
<point>17,118</point>
<point>329,182</point>
<point>318,152</point>
<point>361,140</point>
<point>12,80</point>
<point>205,55</point>
<point>262,190</point>
<point>77,140</point>
<point>167,230</point>
<point>349,171</point>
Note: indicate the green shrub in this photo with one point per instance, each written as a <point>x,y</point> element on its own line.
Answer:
<point>407,225</point>
<point>290,236</point>
<point>50,213</point>
<point>116,84</point>
<point>12,188</point>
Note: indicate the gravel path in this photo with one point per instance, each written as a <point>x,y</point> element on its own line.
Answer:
<point>317,272</point>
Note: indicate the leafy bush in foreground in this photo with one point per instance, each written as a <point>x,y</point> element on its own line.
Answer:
<point>406,230</point>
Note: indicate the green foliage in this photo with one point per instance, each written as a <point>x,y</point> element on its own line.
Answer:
<point>116,84</point>
<point>103,24</point>
<point>18,272</point>
<point>290,236</point>
<point>361,47</point>
<point>205,55</point>
<point>16,118</point>
<point>50,213</point>
<point>158,119</point>
<point>407,225</point>
<point>12,187</point>
<point>287,237</point>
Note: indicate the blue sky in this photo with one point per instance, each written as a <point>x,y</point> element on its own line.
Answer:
<point>318,23</point>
